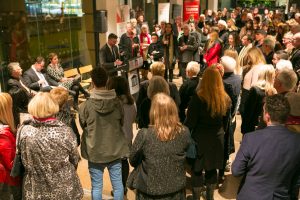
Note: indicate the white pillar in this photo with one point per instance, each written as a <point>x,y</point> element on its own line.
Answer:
<point>213,5</point>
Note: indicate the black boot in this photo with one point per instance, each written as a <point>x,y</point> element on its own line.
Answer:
<point>83,91</point>
<point>75,90</point>
<point>210,188</point>
<point>75,103</point>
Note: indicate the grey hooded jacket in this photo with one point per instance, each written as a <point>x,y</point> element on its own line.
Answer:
<point>101,118</point>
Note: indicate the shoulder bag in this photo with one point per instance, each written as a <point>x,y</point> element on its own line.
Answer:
<point>18,167</point>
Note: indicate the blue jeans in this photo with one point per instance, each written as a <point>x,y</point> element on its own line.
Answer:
<point>115,173</point>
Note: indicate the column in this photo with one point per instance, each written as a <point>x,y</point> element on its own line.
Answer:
<point>213,5</point>
<point>87,8</point>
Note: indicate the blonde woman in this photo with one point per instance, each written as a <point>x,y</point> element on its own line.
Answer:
<point>213,49</point>
<point>206,115</point>
<point>49,154</point>
<point>255,101</point>
<point>9,186</point>
<point>231,25</point>
<point>159,153</point>
<point>254,62</point>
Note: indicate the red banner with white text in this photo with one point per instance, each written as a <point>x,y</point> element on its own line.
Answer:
<point>191,9</point>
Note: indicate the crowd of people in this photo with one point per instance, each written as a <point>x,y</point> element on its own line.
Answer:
<point>233,63</point>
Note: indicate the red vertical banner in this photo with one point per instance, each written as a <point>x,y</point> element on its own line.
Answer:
<point>191,8</point>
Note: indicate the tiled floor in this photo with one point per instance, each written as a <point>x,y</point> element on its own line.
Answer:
<point>226,191</point>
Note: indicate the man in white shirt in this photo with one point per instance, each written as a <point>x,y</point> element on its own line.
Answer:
<point>35,79</point>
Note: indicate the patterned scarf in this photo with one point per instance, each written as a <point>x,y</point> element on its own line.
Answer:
<point>171,48</point>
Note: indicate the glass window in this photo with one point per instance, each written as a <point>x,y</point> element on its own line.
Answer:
<point>40,27</point>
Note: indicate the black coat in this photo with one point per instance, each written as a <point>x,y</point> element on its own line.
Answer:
<point>143,103</point>
<point>235,81</point>
<point>20,98</point>
<point>269,160</point>
<point>223,35</point>
<point>158,48</point>
<point>269,58</point>
<point>208,133</point>
<point>186,91</point>
<point>253,109</point>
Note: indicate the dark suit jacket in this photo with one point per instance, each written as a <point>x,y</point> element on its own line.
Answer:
<point>295,59</point>
<point>31,80</point>
<point>107,59</point>
<point>270,161</point>
<point>20,98</point>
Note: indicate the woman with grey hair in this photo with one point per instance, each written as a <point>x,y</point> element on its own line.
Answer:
<point>187,89</point>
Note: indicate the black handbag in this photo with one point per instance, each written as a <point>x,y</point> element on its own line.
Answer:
<point>131,182</point>
<point>133,177</point>
<point>18,167</point>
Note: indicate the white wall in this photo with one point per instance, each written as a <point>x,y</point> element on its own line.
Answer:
<point>213,5</point>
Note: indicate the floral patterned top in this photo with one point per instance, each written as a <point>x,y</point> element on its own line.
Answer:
<point>57,73</point>
<point>50,157</point>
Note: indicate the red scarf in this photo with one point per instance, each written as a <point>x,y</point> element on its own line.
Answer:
<point>293,120</point>
<point>142,36</point>
<point>45,119</point>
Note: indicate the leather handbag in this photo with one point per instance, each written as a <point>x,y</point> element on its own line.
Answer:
<point>18,167</point>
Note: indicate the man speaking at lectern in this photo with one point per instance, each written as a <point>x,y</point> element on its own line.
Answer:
<point>109,55</point>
